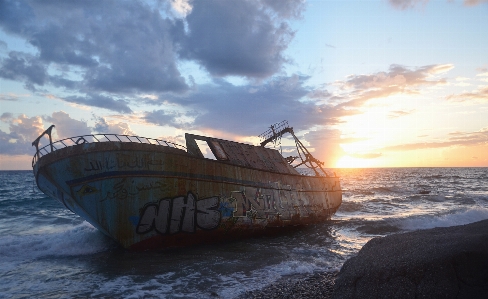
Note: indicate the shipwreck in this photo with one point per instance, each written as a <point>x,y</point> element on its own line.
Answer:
<point>147,193</point>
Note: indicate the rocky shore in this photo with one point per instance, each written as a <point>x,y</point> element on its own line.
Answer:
<point>318,285</point>
<point>447,262</point>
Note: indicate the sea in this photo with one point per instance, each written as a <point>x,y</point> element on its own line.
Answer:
<point>46,251</point>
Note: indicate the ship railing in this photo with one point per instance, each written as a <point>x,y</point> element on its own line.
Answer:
<point>92,138</point>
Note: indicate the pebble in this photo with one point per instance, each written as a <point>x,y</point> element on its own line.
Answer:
<point>317,285</point>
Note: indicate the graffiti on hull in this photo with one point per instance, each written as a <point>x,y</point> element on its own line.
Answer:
<point>262,203</point>
<point>180,214</point>
<point>123,161</point>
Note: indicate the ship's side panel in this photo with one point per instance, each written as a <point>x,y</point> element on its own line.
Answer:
<point>146,199</point>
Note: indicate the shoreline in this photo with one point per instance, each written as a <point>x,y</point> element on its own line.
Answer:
<point>442,262</point>
<point>307,286</point>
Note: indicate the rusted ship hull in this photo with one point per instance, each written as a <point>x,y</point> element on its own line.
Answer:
<point>147,196</point>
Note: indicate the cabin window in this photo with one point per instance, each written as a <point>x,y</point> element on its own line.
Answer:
<point>205,149</point>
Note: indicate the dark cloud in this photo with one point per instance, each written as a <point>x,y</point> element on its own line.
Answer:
<point>18,147</point>
<point>119,46</point>
<point>239,37</point>
<point>23,67</point>
<point>163,118</point>
<point>249,110</point>
<point>122,49</point>
<point>119,105</point>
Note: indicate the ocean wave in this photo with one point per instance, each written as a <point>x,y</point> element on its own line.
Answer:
<point>378,228</point>
<point>387,189</point>
<point>81,239</point>
<point>434,198</point>
<point>416,222</point>
<point>458,217</point>
<point>198,285</point>
<point>350,206</point>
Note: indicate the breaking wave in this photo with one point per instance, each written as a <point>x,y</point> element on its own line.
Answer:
<point>460,217</point>
<point>81,239</point>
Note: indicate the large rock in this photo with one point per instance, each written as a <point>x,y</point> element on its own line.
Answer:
<point>447,262</point>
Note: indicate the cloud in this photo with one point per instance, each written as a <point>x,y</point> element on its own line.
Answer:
<point>163,118</point>
<point>479,95</point>
<point>286,8</point>
<point>249,110</point>
<point>67,126</point>
<point>326,145</point>
<point>22,131</point>
<point>119,105</point>
<point>345,140</point>
<point>359,89</point>
<point>455,139</point>
<point>240,38</point>
<point>118,46</point>
<point>9,97</point>
<point>366,156</point>
<point>181,7</point>
<point>6,116</point>
<point>407,4</point>
<point>399,113</point>
<point>23,67</point>
<point>482,69</point>
<point>104,126</point>
<point>107,53</point>
<point>474,2</point>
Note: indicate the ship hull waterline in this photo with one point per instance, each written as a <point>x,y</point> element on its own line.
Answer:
<point>148,197</point>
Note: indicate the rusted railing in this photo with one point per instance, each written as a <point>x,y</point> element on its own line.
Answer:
<point>93,138</point>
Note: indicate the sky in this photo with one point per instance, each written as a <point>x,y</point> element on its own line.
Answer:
<point>364,83</point>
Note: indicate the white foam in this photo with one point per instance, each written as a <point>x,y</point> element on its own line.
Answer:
<point>459,217</point>
<point>81,239</point>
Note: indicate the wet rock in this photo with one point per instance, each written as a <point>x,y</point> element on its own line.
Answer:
<point>450,262</point>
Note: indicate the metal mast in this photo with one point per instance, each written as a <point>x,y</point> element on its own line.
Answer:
<point>306,158</point>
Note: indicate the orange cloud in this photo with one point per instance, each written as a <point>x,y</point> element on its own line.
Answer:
<point>398,80</point>
<point>476,95</point>
<point>455,139</point>
<point>407,4</point>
